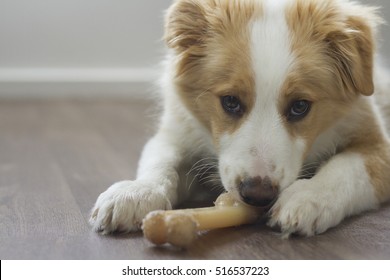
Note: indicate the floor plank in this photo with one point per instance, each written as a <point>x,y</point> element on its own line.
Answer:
<point>56,157</point>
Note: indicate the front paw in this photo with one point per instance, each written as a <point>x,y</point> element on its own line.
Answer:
<point>122,207</point>
<point>305,208</point>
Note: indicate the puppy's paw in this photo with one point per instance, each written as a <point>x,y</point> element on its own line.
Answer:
<point>305,209</point>
<point>122,206</point>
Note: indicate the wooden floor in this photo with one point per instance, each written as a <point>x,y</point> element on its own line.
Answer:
<point>56,157</point>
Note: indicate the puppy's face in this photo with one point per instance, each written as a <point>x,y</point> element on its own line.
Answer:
<point>267,78</point>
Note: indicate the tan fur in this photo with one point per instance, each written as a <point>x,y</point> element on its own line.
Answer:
<point>326,108</point>
<point>378,166</point>
<point>370,142</point>
<point>334,64</point>
<point>211,41</point>
<point>330,49</point>
<point>337,42</point>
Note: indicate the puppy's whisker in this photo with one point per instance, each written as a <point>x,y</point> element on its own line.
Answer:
<point>209,177</point>
<point>200,168</point>
<point>197,165</point>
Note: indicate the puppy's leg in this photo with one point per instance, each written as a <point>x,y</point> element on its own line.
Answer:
<point>344,186</point>
<point>123,206</point>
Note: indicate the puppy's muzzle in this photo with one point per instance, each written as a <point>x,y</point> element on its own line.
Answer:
<point>258,191</point>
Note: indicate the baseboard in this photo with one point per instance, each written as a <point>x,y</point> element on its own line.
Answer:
<point>77,83</point>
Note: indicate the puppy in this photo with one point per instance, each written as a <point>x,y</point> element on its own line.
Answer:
<point>277,96</point>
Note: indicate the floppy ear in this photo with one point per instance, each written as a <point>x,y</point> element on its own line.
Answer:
<point>185,25</point>
<point>352,50</point>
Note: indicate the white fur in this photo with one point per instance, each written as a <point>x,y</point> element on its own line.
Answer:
<point>312,206</point>
<point>179,139</point>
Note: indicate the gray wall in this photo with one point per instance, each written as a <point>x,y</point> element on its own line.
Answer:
<point>384,38</point>
<point>89,39</point>
<point>80,33</point>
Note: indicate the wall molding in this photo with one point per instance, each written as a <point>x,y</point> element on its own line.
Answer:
<point>77,82</point>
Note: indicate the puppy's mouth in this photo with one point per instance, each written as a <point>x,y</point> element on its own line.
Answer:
<point>259,192</point>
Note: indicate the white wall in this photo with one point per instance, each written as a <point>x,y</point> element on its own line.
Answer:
<point>82,45</point>
<point>87,46</point>
<point>384,38</point>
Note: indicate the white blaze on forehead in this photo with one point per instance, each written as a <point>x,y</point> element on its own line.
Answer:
<point>271,60</point>
<point>271,48</point>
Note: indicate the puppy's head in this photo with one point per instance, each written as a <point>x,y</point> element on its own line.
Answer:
<point>267,78</point>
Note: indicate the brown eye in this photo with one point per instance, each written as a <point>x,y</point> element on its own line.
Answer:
<point>232,105</point>
<point>298,110</point>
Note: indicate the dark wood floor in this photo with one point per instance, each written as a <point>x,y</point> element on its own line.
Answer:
<point>56,157</point>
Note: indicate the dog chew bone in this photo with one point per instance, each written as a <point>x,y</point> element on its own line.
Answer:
<point>179,227</point>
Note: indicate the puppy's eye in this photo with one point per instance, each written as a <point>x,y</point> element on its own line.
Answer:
<point>298,110</point>
<point>232,105</point>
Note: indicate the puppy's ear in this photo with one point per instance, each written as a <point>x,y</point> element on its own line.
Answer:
<point>352,50</point>
<point>185,25</point>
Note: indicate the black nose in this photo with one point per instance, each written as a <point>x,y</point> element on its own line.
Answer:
<point>258,192</point>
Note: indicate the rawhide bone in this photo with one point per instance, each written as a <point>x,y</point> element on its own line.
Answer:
<point>180,227</point>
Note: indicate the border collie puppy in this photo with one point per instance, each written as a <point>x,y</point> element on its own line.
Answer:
<point>277,96</point>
